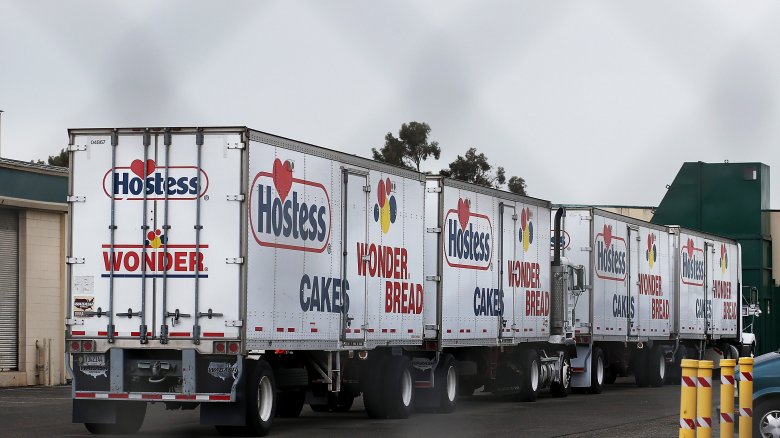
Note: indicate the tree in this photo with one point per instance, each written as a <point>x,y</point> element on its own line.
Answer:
<point>410,148</point>
<point>476,169</point>
<point>517,185</point>
<point>61,160</point>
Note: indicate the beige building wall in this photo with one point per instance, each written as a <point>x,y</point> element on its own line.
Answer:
<point>641,213</point>
<point>774,231</point>
<point>42,286</point>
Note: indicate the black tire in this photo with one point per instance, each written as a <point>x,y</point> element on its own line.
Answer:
<point>446,384</point>
<point>639,367</point>
<point>528,360</point>
<point>673,369</point>
<point>398,387</point>
<point>260,399</point>
<point>597,367</point>
<point>371,376</point>
<point>130,418</point>
<point>563,386</point>
<point>289,404</point>
<point>656,367</point>
<point>610,375</point>
<point>764,410</point>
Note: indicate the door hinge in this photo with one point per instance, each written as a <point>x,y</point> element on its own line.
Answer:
<point>77,147</point>
<point>433,190</point>
<point>74,260</point>
<point>236,145</point>
<point>73,198</point>
<point>514,217</point>
<point>234,260</point>
<point>432,278</point>
<point>433,230</point>
<point>71,321</point>
<point>234,323</point>
<point>235,197</point>
<point>367,189</point>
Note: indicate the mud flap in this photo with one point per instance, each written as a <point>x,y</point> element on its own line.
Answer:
<point>95,411</point>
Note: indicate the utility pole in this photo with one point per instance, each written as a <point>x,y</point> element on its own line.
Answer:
<point>1,133</point>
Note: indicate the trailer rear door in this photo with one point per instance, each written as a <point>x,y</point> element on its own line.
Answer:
<point>156,242</point>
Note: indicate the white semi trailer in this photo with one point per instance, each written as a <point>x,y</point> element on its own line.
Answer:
<point>654,295</point>
<point>249,274</point>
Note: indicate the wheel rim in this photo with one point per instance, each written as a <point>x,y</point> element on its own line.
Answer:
<point>265,398</point>
<point>452,380</point>
<point>566,374</point>
<point>770,424</point>
<point>600,370</point>
<point>662,367</point>
<point>534,376</point>
<point>406,388</point>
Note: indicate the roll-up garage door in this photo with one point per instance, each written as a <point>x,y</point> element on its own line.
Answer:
<point>9,289</point>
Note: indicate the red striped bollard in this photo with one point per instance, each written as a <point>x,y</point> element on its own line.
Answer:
<point>704,400</point>
<point>745,397</point>
<point>688,398</point>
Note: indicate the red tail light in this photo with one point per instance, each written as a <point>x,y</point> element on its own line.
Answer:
<point>88,346</point>
<point>75,346</point>
<point>219,347</point>
<point>233,347</point>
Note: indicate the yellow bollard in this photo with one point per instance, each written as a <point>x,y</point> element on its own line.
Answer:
<point>688,398</point>
<point>745,397</point>
<point>727,398</point>
<point>704,400</point>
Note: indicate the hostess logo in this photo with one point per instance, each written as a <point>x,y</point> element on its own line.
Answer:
<point>139,179</point>
<point>610,255</point>
<point>692,264</point>
<point>469,237</point>
<point>287,212</point>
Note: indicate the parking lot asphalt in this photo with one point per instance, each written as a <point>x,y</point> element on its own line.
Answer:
<point>621,410</point>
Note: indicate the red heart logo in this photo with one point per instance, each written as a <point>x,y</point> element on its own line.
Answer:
<point>464,212</point>
<point>524,216</point>
<point>137,166</point>
<point>650,240</point>
<point>282,175</point>
<point>690,248</point>
<point>607,235</point>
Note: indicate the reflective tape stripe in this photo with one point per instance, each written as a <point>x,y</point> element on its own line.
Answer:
<point>745,412</point>
<point>687,423</point>
<point>726,417</point>
<point>746,376</point>
<point>152,396</point>
<point>688,382</point>
<point>726,380</point>
<point>705,382</point>
<point>703,422</point>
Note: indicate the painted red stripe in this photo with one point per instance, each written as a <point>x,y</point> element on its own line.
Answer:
<point>290,329</point>
<point>139,333</point>
<point>449,331</point>
<point>85,395</point>
<point>106,333</point>
<point>151,396</point>
<point>279,329</point>
<point>410,330</point>
<point>219,397</point>
<point>747,376</point>
<point>703,382</point>
<point>180,334</point>
<point>687,381</point>
<point>185,396</point>
<point>392,330</point>
<point>315,330</point>
<point>384,330</point>
<point>120,395</point>
<point>78,332</point>
<point>214,334</point>
<point>689,421</point>
<point>727,418</point>
<point>357,330</point>
<point>707,420</point>
<point>258,329</point>
<point>369,330</point>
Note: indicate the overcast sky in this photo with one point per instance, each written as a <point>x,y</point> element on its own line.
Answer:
<point>591,102</point>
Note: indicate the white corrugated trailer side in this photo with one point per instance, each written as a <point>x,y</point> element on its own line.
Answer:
<point>245,272</point>
<point>655,295</point>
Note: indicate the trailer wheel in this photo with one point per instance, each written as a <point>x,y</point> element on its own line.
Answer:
<point>447,374</point>
<point>529,376</point>
<point>129,420</point>
<point>371,375</point>
<point>261,399</point>
<point>289,404</point>
<point>398,387</point>
<point>562,387</point>
<point>656,367</point>
<point>639,367</point>
<point>596,371</point>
